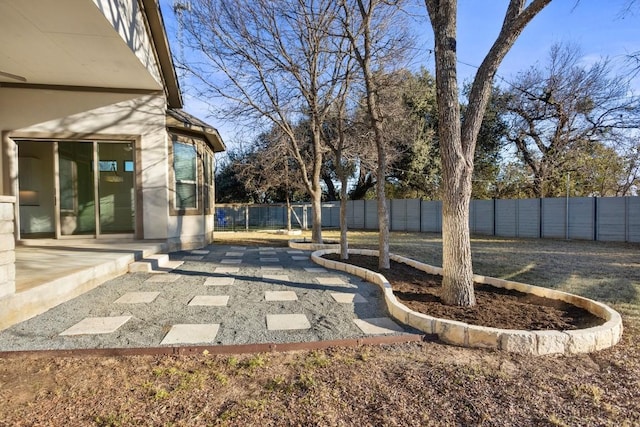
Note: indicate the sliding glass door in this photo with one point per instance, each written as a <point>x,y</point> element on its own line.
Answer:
<point>95,188</point>
<point>116,188</point>
<point>76,200</point>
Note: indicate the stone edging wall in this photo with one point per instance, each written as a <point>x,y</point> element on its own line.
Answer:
<point>466,335</point>
<point>308,246</point>
<point>7,246</point>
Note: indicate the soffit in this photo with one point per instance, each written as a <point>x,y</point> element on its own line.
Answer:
<point>69,43</point>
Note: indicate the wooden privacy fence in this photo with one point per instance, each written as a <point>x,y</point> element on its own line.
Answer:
<point>613,219</point>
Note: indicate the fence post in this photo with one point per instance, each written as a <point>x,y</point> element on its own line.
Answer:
<point>304,217</point>
<point>494,217</point>
<point>566,224</point>
<point>246,218</point>
<point>540,220</point>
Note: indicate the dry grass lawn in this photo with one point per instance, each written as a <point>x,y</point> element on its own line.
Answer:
<point>410,384</point>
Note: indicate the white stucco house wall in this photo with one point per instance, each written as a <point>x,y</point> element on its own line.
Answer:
<point>94,141</point>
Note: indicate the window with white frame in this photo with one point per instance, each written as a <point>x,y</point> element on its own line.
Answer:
<point>185,167</point>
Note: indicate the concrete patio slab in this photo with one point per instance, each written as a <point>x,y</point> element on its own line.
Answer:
<point>332,280</point>
<point>315,270</point>
<point>348,298</point>
<point>191,334</point>
<point>299,258</point>
<point>200,252</point>
<point>269,259</point>
<point>234,254</point>
<point>267,252</point>
<point>96,325</point>
<point>137,298</point>
<point>238,248</point>
<point>280,296</point>
<point>193,258</point>
<point>231,261</point>
<point>287,322</point>
<point>219,281</point>
<point>160,278</point>
<point>271,267</point>
<point>210,300</point>
<point>378,326</point>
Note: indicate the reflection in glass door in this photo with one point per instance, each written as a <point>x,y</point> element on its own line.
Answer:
<point>82,187</point>
<point>76,205</point>
<point>116,188</point>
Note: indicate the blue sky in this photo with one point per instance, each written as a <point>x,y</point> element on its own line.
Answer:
<point>601,28</point>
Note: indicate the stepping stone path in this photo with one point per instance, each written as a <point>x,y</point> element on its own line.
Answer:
<point>265,294</point>
<point>287,322</point>
<point>137,298</point>
<point>97,325</point>
<point>191,334</point>
<point>210,300</point>
<point>280,296</point>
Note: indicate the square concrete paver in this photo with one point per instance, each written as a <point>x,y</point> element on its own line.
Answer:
<point>191,334</point>
<point>96,325</point>
<point>231,261</point>
<point>271,267</point>
<point>378,326</point>
<point>227,270</point>
<point>299,258</point>
<point>315,270</point>
<point>269,259</point>
<point>332,280</point>
<point>234,254</point>
<point>287,322</point>
<point>210,300</point>
<point>276,277</point>
<point>219,281</point>
<point>169,277</point>
<point>348,298</point>
<point>280,296</point>
<point>193,258</point>
<point>137,298</point>
<point>200,252</point>
<point>295,252</point>
<point>266,248</point>
<point>238,248</point>
<point>267,252</point>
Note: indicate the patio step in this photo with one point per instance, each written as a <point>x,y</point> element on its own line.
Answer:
<point>157,263</point>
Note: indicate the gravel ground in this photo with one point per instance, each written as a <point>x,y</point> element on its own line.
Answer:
<point>242,321</point>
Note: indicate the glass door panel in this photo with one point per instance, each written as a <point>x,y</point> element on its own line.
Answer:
<point>116,187</point>
<point>76,202</point>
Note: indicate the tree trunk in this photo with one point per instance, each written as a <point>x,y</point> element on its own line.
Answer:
<point>457,276</point>
<point>458,141</point>
<point>288,212</point>
<point>316,193</point>
<point>344,246</point>
<point>316,217</point>
<point>457,169</point>
<point>383,214</point>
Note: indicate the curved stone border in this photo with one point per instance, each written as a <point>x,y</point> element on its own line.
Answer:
<point>309,246</point>
<point>466,335</point>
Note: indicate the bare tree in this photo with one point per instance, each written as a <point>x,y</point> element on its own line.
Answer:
<point>277,61</point>
<point>379,40</point>
<point>563,110</point>
<point>458,139</point>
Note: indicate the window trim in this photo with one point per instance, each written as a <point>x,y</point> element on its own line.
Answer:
<point>205,196</point>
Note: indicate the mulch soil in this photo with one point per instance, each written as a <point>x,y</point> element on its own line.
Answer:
<point>495,307</point>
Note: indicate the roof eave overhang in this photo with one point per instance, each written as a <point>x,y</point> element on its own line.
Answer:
<point>159,36</point>
<point>211,135</point>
